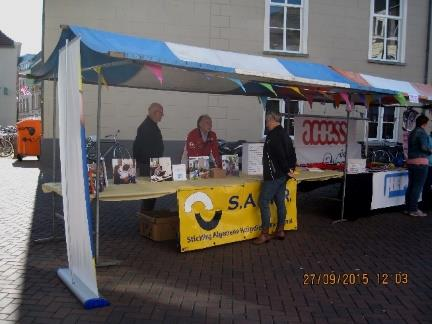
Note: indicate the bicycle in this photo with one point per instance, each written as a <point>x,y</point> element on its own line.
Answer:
<point>119,151</point>
<point>6,146</point>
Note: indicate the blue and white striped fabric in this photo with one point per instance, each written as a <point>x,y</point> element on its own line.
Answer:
<point>190,68</point>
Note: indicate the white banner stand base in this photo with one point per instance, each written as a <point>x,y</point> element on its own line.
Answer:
<point>84,295</point>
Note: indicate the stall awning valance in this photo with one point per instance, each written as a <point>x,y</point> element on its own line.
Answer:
<point>137,62</point>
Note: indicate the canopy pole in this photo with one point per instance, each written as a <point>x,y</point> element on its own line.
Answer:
<point>54,166</point>
<point>99,263</point>
<point>98,164</point>
<point>342,219</point>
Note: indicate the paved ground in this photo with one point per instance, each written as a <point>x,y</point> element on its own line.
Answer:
<point>236,283</point>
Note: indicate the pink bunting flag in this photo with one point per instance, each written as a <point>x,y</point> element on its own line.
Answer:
<point>347,100</point>
<point>156,70</point>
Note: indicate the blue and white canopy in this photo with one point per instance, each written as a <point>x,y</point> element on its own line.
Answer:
<point>130,61</point>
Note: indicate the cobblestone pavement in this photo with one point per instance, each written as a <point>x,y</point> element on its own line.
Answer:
<point>235,283</point>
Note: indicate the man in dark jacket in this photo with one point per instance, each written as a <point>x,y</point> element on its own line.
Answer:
<point>279,161</point>
<point>148,144</point>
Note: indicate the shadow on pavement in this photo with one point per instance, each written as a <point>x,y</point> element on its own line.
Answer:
<point>236,282</point>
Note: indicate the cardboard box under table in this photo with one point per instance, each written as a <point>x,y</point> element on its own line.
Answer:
<point>159,226</point>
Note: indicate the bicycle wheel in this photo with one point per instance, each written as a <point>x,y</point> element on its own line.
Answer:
<point>121,152</point>
<point>6,148</point>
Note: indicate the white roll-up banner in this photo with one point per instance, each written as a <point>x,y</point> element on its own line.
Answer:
<point>80,276</point>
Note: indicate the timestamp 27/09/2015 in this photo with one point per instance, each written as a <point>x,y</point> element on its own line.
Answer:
<point>355,278</point>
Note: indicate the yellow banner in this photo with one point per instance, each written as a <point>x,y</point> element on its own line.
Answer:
<point>211,216</point>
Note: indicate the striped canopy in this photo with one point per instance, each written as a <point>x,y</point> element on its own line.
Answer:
<point>131,61</point>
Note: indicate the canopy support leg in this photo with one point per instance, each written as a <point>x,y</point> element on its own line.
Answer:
<point>342,219</point>
<point>99,262</point>
<point>53,195</point>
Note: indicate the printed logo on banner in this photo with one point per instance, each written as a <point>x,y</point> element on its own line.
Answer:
<point>233,204</point>
<point>324,132</point>
<point>208,205</point>
<point>395,185</point>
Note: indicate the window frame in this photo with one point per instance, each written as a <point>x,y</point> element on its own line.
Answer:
<point>381,122</point>
<point>282,107</point>
<point>304,15</point>
<point>401,34</point>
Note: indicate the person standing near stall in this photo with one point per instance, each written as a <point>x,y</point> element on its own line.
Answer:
<point>427,189</point>
<point>149,144</point>
<point>418,164</point>
<point>279,162</point>
<point>202,141</point>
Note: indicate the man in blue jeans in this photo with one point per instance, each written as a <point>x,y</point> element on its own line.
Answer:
<point>279,161</point>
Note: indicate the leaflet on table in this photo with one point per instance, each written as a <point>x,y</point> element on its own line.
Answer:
<point>160,169</point>
<point>252,158</point>
<point>179,172</point>
<point>199,167</point>
<point>356,166</point>
<point>230,164</point>
<point>124,171</point>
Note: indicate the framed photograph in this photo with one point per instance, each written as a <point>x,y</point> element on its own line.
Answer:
<point>199,167</point>
<point>160,169</point>
<point>230,164</point>
<point>124,171</point>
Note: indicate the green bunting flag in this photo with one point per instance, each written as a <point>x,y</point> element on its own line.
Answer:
<point>269,87</point>
<point>401,99</point>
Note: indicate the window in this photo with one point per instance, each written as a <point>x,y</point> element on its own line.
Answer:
<point>293,107</point>
<point>285,28</point>
<point>387,30</point>
<point>383,123</point>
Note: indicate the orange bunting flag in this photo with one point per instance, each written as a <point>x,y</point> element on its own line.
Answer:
<point>368,100</point>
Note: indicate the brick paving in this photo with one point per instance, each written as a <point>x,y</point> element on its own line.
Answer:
<point>235,283</point>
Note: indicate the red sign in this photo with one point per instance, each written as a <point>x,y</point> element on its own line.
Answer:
<point>324,132</point>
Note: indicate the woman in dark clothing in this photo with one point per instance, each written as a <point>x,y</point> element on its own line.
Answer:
<point>418,153</point>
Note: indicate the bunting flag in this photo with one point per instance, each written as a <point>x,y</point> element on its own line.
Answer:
<point>263,101</point>
<point>156,70</point>
<point>297,90</point>
<point>239,83</point>
<point>325,95</point>
<point>401,99</point>
<point>336,100</point>
<point>368,100</point>
<point>310,99</point>
<point>98,70</point>
<point>347,100</point>
<point>269,87</point>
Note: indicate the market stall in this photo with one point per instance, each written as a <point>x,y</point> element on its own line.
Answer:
<point>99,57</point>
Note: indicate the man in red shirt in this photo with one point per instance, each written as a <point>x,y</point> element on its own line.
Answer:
<point>202,141</point>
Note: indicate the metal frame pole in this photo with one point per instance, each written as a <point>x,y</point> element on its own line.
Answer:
<point>98,259</point>
<point>342,219</point>
<point>98,165</point>
<point>54,173</point>
<point>54,150</point>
